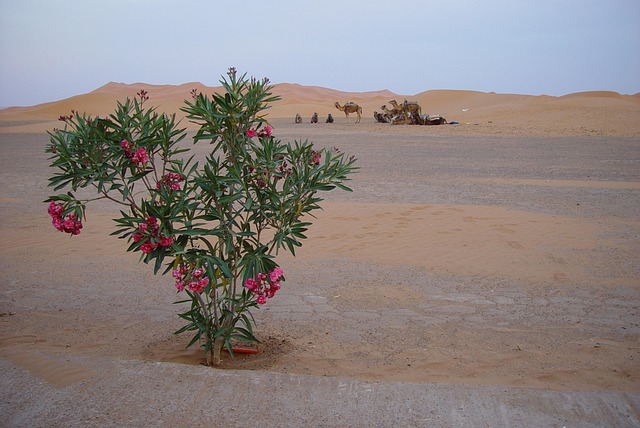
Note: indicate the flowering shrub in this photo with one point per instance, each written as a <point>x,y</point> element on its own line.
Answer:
<point>215,224</point>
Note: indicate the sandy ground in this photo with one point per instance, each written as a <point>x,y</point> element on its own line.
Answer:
<point>471,254</point>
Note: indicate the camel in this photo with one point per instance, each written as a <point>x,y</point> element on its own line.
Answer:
<point>382,117</point>
<point>425,119</point>
<point>350,107</point>
<point>314,118</point>
<point>395,116</point>
<point>394,112</point>
<point>298,118</point>
<point>408,106</point>
<point>401,119</point>
<point>435,119</point>
<point>329,119</point>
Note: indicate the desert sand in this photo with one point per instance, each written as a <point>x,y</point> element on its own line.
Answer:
<point>500,251</point>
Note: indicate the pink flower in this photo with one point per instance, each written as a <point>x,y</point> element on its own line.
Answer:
<point>127,146</point>
<point>57,223</point>
<point>140,157</point>
<point>192,280</point>
<point>151,224</point>
<point>198,286</point>
<point>203,282</point>
<point>264,286</point>
<point>315,157</point>
<point>251,284</point>
<point>68,224</point>
<point>55,209</point>
<point>266,131</point>
<point>171,180</point>
<point>146,248</point>
<point>275,274</point>
<point>166,242</point>
<point>74,229</point>
<point>251,133</point>
<point>137,237</point>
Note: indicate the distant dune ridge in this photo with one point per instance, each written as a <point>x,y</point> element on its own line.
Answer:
<point>597,112</point>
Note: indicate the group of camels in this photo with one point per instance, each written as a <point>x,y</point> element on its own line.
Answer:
<point>409,113</point>
<point>347,108</point>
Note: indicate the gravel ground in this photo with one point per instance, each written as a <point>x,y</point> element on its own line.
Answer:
<point>371,330</point>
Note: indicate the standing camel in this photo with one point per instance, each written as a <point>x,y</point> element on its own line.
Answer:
<point>350,107</point>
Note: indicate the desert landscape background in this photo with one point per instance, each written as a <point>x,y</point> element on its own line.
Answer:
<point>499,251</point>
<point>584,113</point>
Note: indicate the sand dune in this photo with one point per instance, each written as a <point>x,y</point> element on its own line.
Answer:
<point>586,113</point>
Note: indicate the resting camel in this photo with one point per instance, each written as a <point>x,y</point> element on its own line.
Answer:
<point>425,119</point>
<point>435,120</point>
<point>393,112</point>
<point>408,106</point>
<point>401,119</point>
<point>298,118</point>
<point>314,118</point>
<point>350,107</point>
<point>382,117</point>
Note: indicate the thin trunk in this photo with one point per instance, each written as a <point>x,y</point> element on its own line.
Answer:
<point>214,353</point>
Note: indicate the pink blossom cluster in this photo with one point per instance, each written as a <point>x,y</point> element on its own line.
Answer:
<point>264,132</point>
<point>138,157</point>
<point>259,181</point>
<point>171,181</point>
<point>315,157</point>
<point>68,223</point>
<point>192,279</point>
<point>148,234</point>
<point>144,95</point>
<point>284,169</point>
<point>264,286</point>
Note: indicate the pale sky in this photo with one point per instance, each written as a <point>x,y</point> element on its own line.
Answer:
<point>55,49</point>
